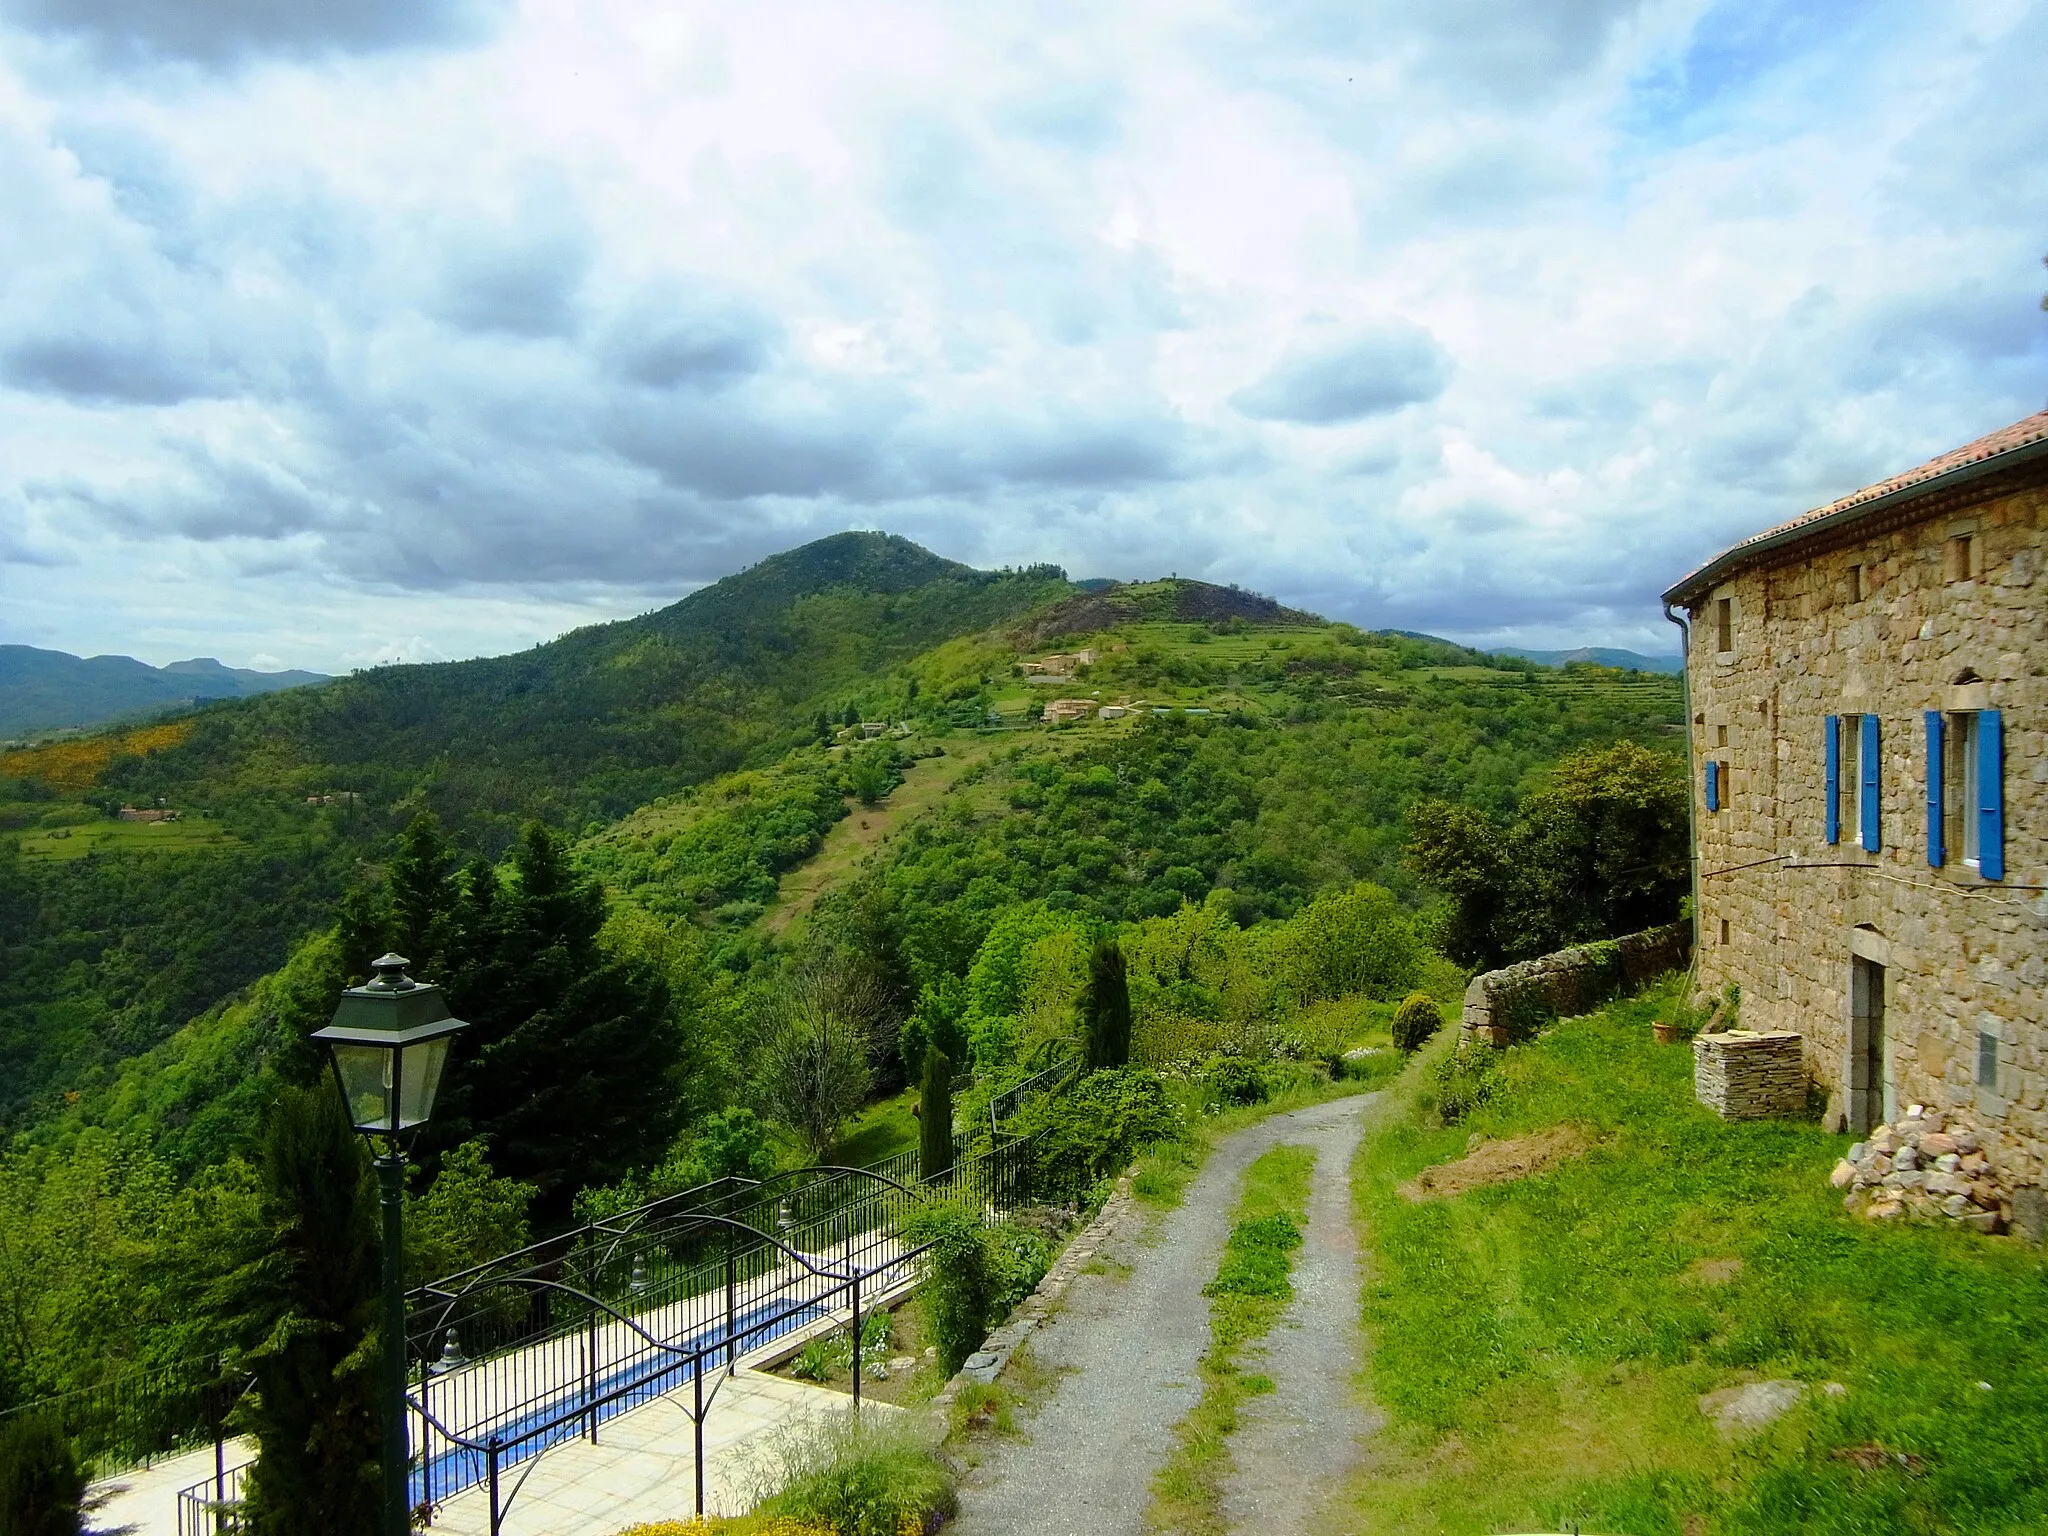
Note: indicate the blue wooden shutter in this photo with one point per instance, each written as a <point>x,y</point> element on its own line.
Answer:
<point>1990,795</point>
<point>1869,798</point>
<point>1937,852</point>
<point>1833,739</point>
<point>1713,786</point>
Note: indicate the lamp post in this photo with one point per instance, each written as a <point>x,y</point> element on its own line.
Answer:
<point>389,1043</point>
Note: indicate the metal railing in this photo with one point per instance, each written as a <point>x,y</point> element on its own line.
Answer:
<point>135,1416</point>
<point>545,1345</point>
<point>213,1507</point>
<point>1005,1104</point>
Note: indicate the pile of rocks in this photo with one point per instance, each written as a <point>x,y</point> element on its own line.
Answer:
<point>1745,1074</point>
<point>1926,1164</point>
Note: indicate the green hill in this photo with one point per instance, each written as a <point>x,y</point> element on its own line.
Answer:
<point>589,726</point>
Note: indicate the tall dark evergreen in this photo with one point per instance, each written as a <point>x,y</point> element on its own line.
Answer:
<point>1106,1008</point>
<point>935,1116</point>
<point>569,1063</point>
<point>422,887</point>
<point>304,1298</point>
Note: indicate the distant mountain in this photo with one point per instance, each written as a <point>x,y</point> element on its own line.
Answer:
<point>48,690</point>
<point>1600,655</point>
<point>604,719</point>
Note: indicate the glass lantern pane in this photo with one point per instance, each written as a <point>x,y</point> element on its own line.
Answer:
<point>420,1080</point>
<point>365,1072</point>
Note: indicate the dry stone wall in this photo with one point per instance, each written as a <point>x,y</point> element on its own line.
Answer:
<point>1514,1002</point>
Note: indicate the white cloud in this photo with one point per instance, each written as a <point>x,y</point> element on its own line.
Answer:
<point>468,323</point>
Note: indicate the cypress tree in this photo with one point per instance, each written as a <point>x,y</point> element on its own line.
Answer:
<point>306,1293</point>
<point>1106,1008</point>
<point>935,1116</point>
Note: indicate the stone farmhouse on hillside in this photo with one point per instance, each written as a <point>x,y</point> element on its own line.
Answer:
<point>1869,693</point>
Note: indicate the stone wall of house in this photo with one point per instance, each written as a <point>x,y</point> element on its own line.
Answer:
<point>1883,622</point>
<point>1508,1004</point>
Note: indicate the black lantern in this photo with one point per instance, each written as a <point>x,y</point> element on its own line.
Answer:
<point>389,1041</point>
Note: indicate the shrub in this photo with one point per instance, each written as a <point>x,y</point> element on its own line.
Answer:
<point>853,1476</point>
<point>1094,1129</point>
<point>41,1485</point>
<point>961,1285</point>
<point>1416,1020</point>
<point>1466,1079</point>
<point>1230,1080</point>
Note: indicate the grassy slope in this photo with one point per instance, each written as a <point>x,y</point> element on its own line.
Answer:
<point>1541,1345</point>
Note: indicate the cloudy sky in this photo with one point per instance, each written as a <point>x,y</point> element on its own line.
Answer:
<point>332,334</point>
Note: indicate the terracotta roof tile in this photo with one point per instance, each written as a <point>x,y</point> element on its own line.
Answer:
<point>2031,429</point>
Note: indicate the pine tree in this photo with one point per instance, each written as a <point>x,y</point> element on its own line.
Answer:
<point>423,893</point>
<point>568,1065</point>
<point>306,1301</point>
<point>935,1116</point>
<point>1106,1008</point>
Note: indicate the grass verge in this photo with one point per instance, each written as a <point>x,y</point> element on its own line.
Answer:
<point>1541,1345</point>
<point>1246,1298</point>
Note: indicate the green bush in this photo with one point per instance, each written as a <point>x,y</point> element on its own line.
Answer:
<point>867,1476</point>
<point>41,1485</point>
<point>1416,1020</point>
<point>1094,1129</point>
<point>961,1284</point>
<point>973,1275</point>
<point>1232,1080</point>
<point>1466,1079</point>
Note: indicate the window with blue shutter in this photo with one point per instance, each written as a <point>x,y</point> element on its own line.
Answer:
<point>1713,786</point>
<point>1990,794</point>
<point>1937,850</point>
<point>1869,790</point>
<point>1833,743</point>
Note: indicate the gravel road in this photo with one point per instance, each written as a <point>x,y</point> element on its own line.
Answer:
<point>1127,1350</point>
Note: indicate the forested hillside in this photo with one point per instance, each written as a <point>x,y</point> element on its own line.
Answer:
<point>588,844</point>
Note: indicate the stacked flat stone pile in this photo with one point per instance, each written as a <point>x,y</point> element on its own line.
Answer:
<point>1926,1164</point>
<point>1744,1074</point>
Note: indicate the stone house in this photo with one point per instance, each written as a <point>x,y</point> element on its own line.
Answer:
<point>1867,685</point>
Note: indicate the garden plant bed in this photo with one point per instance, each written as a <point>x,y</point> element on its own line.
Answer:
<point>827,1361</point>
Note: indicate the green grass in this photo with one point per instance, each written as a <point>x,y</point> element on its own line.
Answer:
<point>1246,1298</point>
<point>883,1129</point>
<point>1541,1345</point>
<point>184,836</point>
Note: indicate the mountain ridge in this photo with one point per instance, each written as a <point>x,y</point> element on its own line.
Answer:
<point>45,690</point>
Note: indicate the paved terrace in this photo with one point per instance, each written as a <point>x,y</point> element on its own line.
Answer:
<point>641,1464</point>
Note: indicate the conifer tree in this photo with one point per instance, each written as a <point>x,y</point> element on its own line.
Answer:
<point>568,1064</point>
<point>935,1116</point>
<point>306,1300</point>
<point>1106,1008</point>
